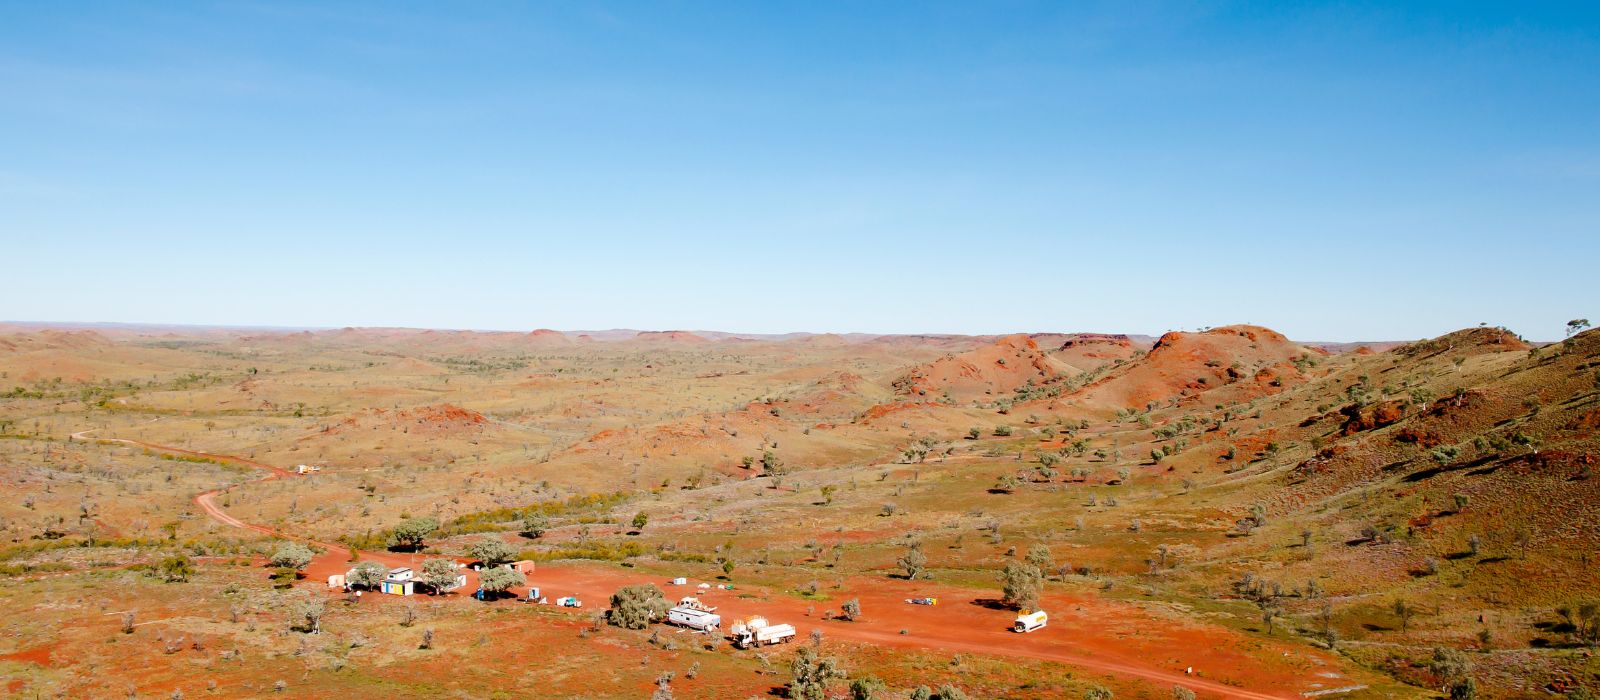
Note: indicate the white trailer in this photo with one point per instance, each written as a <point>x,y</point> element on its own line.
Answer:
<point>694,619</point>
<point>1030,621</point>
<point>756,631</point>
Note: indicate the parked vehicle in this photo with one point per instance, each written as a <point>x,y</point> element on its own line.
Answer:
<point>1030,621</point>
<point>756,631</point>
<point>569,602</point>
<point>923,601</point>
<point>694,603</point>
<point>694,619</point>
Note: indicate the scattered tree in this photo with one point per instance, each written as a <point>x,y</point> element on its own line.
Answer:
<point>499,578</point>
<point>307,617</point>
<point>438,574</point>
<point>851,609</point>
<point>1404,612</point>
<point>866,688</point>
<point>914,562</point>
<point>411,532</point>
<point>1039,557</point>
<point>535,524</point>
<point>635,607</point>
<point>292,555</point>
<point>175,569</point>
<point>492,552</point>
<point>1022,585</point>
<point>813,673</point>
<point>367,574</point>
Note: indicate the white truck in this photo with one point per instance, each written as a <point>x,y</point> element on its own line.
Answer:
<point>702,620</point>
<point>1030,621</point>
<point>756,631</point>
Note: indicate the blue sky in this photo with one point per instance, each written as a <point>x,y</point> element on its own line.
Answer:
<point>1335,171</point>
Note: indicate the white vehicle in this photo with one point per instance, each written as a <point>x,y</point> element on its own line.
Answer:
<point>694,619</point>
<point>757,632</point>
<point>1030,621</point>
<point>694,603</point>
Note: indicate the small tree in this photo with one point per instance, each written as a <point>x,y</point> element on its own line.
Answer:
<point>307,617</point>
<point>635,607</point>
<point>1576,325</point>
<point>640,519</point>
<point>175,569</point>
<point>914,562</point>
<point>367,574</point>
<point>922,692</point>
<point>974,433</point>
<point>852,609</point>
<point>771,463</point>
<point>1007,483</point>
<point>1039,557</point>
<point>292,555</point>
<point>1022,584</point>
<point>950,692</point>
<point>492,552</point>
<point>411,532</point>
<point>728,566</point>
<point>813,673</point>
<point>439,574</point>
<point>1404,612</point>
<point>1002,431</point>
<point>497,579</point>
<point>1097,692</point>
<point>535,524</point>
<point>866,688</point>
<point>1181,693</point>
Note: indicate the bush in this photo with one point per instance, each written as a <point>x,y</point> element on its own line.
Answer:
<point>492,552</point>
<point>635,607</point>
<point>438,574</point>
<point>292,555</point>
<point>411,532</point>
<point>1022,584</point>
<point>367,574</point>
<point>498,579</point>
<point>175,569</point>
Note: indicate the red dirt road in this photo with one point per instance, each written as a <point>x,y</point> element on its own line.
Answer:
<point>1087,633</point>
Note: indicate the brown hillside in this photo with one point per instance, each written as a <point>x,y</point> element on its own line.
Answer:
<point>991,371</point>
<point>1247,360</point>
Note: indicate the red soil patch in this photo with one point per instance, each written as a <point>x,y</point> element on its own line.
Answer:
<point>1371,417</point>
<point>39,655</point>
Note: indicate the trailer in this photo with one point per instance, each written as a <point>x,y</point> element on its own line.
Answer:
<point>923,601</point>
<point>756,631</point>
<point>569,602</point>
<point>700,620</point>
<point>1030,621</point>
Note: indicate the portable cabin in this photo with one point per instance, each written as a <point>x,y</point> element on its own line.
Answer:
<point>336,581</point>
<point>401,574</point>
<point>524,567</point>
<point>394,586</point>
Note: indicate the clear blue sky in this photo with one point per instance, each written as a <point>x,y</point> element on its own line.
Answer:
<point>1338,171</point>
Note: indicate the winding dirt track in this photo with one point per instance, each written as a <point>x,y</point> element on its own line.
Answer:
<point>956,628</point>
